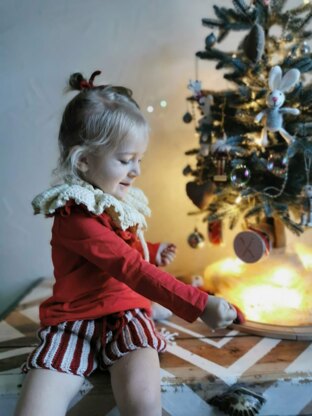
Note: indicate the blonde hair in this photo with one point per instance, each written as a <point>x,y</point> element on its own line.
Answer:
<point>97,117</point>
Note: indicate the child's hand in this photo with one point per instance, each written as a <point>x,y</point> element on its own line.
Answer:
<point>218,313</point>
<point>165,254</point>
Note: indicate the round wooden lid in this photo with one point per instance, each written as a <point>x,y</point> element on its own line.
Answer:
<point>249,246</point>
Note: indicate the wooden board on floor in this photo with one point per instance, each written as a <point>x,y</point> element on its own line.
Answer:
<point>198,364</point>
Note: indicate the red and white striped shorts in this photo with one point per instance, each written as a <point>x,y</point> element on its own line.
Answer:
<point>79,347</point>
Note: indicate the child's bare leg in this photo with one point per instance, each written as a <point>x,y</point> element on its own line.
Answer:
<point>47,393</point>
<point>135,381</point>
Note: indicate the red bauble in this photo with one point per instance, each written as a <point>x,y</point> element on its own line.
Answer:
<point>215,232</point>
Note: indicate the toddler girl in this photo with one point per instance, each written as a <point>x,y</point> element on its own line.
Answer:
<point>99,315</point>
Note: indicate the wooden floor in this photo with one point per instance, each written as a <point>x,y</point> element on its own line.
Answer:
<point>198,365</point>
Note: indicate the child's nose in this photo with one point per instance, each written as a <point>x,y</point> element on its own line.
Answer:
<point>136,170</point>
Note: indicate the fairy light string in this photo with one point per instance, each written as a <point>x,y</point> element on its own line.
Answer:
<point>279,191</point>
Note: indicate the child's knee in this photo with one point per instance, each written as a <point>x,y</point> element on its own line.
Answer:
<point>47,392</point>
<point>146,403</point>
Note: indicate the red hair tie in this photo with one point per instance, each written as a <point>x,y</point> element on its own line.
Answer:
<point>84,84</point>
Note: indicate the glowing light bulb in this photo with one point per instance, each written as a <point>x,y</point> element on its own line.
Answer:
<point>305,255</point>
<point>163,103</point>
<point>150,109</point>
<point>258,141</point>
<point>231,266</point>
<point>283,277</point>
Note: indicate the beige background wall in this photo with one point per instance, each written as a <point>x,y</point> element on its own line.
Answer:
<point>148,46</point>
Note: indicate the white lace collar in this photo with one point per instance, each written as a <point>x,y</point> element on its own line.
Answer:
<point>127,213</point>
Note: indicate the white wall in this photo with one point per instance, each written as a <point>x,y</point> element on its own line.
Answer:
<point>148,46</point>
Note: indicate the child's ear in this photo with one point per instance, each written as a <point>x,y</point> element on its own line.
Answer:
<point>82,164</point>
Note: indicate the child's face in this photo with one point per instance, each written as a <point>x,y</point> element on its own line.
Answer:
<point>115,171</point>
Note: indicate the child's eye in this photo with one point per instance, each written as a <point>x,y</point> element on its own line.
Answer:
<point>124,162</point>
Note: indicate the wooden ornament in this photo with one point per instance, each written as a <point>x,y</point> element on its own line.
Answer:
<point>274,228</point>
<point>253,43</point>
<point>200,194</point>
<point>279,234</point>
<point>252,244</point>
<point>249,246</point>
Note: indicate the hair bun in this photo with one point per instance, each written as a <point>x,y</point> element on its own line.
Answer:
<point>76,81</point>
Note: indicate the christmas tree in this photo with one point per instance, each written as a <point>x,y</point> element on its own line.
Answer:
<point>253,162</point>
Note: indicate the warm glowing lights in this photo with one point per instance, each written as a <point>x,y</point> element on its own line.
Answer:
<point>238,200</point>
<point>231,266</point>
<point>305,255</point>
<point>283,277</point>
<point>264,302</point>
<point>162,103</point>
<point>258,141</point>
<point>277,290</point>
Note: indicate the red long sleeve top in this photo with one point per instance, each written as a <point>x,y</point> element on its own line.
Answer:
<point>99,270</point>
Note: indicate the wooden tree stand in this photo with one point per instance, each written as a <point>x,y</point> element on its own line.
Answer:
<point>299,333</point>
